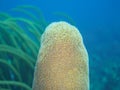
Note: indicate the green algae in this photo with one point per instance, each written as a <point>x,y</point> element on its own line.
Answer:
<point>10,66</point>
<point>19,84</point>
<point>18,50</point>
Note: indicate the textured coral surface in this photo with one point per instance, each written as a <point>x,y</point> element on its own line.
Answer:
<point>62,61</point>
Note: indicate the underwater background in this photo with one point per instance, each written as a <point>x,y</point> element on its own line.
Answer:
<point>22,23</point>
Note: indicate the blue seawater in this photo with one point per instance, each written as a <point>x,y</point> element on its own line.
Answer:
<point>99,24</point>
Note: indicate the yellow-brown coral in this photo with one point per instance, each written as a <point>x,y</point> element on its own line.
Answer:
<point>63,60</point>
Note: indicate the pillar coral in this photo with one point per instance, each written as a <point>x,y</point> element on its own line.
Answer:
<point>62,61</point>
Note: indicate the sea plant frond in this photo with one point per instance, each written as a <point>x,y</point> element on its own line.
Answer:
<point>26,58</point>
<point>28,22</point>
<point>11,67</point>
<point>38,12</point>
<point>16,83</point>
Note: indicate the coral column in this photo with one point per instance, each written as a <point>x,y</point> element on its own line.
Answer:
<point>62,61</point>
